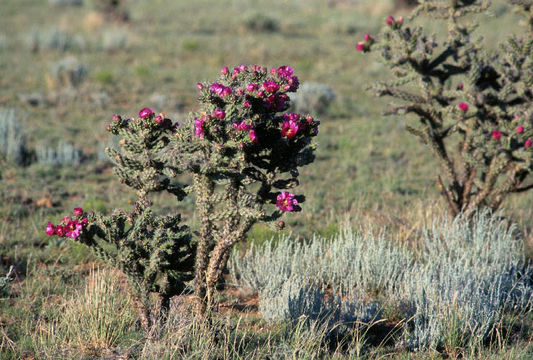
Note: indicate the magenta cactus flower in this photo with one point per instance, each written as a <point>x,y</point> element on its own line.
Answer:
<point>224,70</point>
<point>144,113</point>
<point>242,126</point>
<point>294,117</point>
<point>253,136</point>
<point>199,86</point>
<point>78,211</point>
<point>360,46</point>
<point>271,86</point>
<point>390,21</point>
<point>198,127</point>
<point>246,104</point>
<point>285,201</point>
<point>285,71</point>
<point>496,135</point>
<point>460,86</point>
<point>368,38</point>
<point>519,129</point>
<point>289,129</point>
<point>528,143</point>
<point>463,106</point>
<point>219,114</point>
<point>252,87</point>
<point>60,231</point>
<point>50,229</point>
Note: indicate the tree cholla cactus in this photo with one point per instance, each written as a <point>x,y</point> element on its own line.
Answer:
<point>244,153</point>
<point>474,105</point>
<point>155,252</point>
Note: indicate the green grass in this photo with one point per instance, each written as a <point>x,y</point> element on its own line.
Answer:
<point>368,169</point>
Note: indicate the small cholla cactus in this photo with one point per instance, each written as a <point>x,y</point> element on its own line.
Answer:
<point>155,252</point>
<point>244,153</point>
<point>474,105</point>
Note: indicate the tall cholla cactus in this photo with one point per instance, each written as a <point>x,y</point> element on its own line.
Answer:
<point>244,154</point>
<point>155,252</point>
<point>474,105</point>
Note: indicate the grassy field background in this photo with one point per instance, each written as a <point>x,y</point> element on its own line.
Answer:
<point>368,172</point>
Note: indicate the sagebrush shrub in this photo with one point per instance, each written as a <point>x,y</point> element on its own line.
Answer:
<point>13,144</point>
<point>473,103</point>
<point>456,289</point>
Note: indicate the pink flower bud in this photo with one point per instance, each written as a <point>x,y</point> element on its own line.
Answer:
<point>400,20</point>
<point>390,21</point>
<point>528,143</point>
<point>460,86</point>
<point>108,128</point>
<point>246,104</point>
<point>116,118</point>
<point>496,135</point>
<point>463,106</point>
<point>224,70</point>
<point>520,129</point>
<point>78,211</point>
<point>50,229</point>
<point>368,38</point>
<point>199,86</point>
<point>360,46</point>
<point>158,119</point>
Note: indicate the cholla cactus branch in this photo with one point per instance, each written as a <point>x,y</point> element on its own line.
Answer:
<point>155,252</point>
<point>477,99</point>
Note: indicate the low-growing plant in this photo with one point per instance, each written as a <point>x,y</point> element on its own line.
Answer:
<point>260,22</point>
<point>114,39</point>
<point>115,10</point>
<point>243,153</point>
<point>61,3</point>
<point>5,280</point>
<point>64,154</point>
<point>473,104</point>
<point>453,293</point>
<point>313,98</point>
<point>13,145</point>
<point>67,73</point>
<point>52,39</point>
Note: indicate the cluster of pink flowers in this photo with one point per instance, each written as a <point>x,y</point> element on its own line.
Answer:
<point>220,90</point>
<point>146,115</point>
<point>365,45</point>
<point>267,91</point>
<point>69,227</point>
<point>286,201</point>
